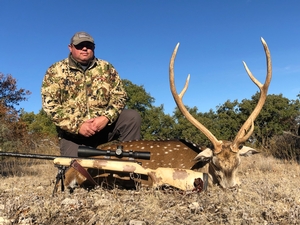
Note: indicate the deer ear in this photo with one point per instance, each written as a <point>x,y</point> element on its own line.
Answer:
<point>247,151</point>
<point>205,155</point>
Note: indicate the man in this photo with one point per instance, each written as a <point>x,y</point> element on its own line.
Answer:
<point>85,98</point>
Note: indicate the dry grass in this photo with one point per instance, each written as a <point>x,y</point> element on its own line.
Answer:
<point>269,194</point>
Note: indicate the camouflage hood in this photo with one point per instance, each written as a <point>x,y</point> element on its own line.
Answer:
<point>71,95</point>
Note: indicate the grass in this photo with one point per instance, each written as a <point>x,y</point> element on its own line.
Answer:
<point>269,194</point>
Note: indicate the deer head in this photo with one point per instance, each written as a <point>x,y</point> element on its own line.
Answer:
<point>224,158</point>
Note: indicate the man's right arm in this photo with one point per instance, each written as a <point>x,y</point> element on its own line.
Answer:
<point>60,112</point>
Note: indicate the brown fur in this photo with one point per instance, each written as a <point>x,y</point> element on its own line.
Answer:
<point>164,153</point>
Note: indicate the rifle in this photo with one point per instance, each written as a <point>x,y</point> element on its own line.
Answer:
<point>84,151</point>
<point>182,179</point>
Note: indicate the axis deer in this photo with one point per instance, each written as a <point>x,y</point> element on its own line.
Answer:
<point>220,162</point>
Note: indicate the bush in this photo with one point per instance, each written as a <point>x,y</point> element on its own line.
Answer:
<point>285,146</point>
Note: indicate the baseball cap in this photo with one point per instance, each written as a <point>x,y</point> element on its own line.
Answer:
<point>81,37</point>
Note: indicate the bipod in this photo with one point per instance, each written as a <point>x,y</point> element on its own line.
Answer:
<point>60,178</point>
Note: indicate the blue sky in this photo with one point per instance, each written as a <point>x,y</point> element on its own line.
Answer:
<point>138,37</point>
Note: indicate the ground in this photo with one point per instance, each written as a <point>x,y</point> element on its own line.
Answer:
<point>269,194</point>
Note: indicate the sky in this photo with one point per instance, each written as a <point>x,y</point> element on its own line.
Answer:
<point>138,38</point>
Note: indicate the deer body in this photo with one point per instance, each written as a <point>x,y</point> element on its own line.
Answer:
<point>186,155</point>
<point>164,153</point>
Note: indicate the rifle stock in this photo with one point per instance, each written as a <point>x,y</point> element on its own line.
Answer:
<point>182,179</point>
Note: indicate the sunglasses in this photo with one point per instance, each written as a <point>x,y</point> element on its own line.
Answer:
<point>81,45</point>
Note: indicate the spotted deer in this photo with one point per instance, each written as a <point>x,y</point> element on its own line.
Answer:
<point>220,162</point>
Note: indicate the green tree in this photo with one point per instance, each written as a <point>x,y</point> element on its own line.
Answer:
<point>278,114</point>
<point>228,121</point>
<point>155,124</point>
<point>183,129</point>
<point>39,123</point>
<point>138,98</point>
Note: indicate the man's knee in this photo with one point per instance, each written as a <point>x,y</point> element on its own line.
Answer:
<point>68,148</point>
<point>132,116</point>
<point>129,125</point>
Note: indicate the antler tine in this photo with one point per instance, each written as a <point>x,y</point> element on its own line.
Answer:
<point>243,133</point>
<point>182,108</point>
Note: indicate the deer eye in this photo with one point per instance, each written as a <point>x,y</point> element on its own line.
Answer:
<point>241,146</point>
<point>215,162</point>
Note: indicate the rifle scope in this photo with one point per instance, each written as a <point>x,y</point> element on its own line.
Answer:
<point>85,151</point>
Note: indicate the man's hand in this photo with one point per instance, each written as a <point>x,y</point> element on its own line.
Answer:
<point>99,123</point>
<point>87,129</point>
<point>92,126</point>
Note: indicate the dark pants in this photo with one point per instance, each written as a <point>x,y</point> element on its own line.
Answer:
<point>126,128</point>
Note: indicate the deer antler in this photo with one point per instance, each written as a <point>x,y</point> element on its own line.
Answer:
<point>178,99</point>
<point>243,133</point>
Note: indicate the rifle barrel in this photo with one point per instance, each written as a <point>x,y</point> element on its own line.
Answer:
<point>31,156</point>
<point>84,152</point>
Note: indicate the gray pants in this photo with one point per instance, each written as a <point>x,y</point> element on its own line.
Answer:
<point>126,128</point>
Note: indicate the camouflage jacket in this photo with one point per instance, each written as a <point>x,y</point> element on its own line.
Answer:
<point>71,95</point>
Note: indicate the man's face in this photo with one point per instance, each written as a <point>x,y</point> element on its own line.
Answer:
<point>83,52</point>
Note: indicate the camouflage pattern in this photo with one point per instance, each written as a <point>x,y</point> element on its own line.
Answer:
<point>71,95</point>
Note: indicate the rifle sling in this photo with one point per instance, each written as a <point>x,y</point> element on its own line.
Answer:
<point>83,171</point>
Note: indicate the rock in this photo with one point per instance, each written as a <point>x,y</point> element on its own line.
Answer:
<point>136,222</point>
